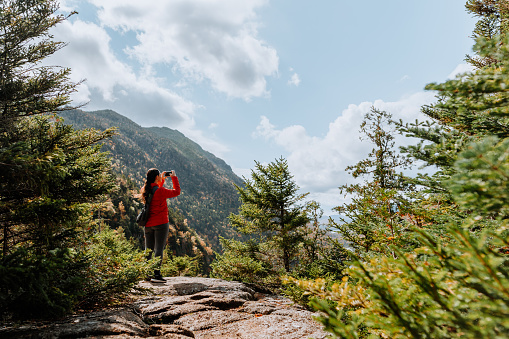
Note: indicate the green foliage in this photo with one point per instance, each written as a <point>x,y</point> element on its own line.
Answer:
<point>493,22</point>
<point>319,269</point>
<point>319,257</point>
<point>26,86</point>
<point>49,173</point>
<point>115,265</point>
<point>286,237</point>
<point>103,269</point>
<point>244,261</point>
<point>41,286</point>
<point>383,161</point>
<point>181,266</point>
<point>481,182</point>
<point>455,286</point>
<point>340,321</point>
<point>52,177</point>
<point>459,290</point>
<point>48,184</point>
<point>373,222</point>
<point>470,107</point>
<point>270,209</point>
<point>477,103</point>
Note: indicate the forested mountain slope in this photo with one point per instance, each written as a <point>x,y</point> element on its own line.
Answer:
<point>207,182</point>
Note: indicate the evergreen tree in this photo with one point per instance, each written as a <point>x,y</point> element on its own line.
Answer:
<point>26,87</point>
<point>48,185</point>
<point>457,288</point>
<point>270,209</point>
<point>373,220</point>
<point>47,170</point>
<point>384,160</point>
<point>453,124</point>
<point>493,23</point>
<point>51,178</point>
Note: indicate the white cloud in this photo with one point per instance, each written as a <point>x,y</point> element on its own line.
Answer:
<point>460,69</point>
<point>193,40</point>
<point>404,78</point>
<point>113,84</point>
<point>213,40</point>
<point>318,163</point>
<point>68,5</point>
<point>295,80</point>
<point>110,82</point>
<point>89,56</point>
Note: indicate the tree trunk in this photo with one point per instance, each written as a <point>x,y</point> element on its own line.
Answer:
<point>286,259</point>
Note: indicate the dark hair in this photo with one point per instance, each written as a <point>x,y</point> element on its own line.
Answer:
<point>150,179</point>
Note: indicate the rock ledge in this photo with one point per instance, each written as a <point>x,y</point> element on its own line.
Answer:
<point>183,308</point>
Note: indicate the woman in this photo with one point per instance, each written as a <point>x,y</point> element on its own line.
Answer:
<point>157,227</point>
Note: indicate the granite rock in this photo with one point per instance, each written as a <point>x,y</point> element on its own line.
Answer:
<point>183,308</point>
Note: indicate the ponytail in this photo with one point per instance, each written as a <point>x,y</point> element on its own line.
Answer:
<point>147,188</point>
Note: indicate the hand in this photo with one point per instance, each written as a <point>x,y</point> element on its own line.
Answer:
<point>172,173</point>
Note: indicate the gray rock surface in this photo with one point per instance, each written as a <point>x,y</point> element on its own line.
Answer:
<point>183,308</point>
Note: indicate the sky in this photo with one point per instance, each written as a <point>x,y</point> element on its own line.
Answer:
<point>256,80</point>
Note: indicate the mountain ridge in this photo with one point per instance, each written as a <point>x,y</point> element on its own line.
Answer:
<point>208,182</point>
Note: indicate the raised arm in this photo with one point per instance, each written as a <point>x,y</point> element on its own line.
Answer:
<point>171,193</point>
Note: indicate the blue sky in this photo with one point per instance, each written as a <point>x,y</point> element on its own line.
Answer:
<point>259,79</point>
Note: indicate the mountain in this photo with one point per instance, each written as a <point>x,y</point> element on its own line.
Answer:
<point>207,182</point>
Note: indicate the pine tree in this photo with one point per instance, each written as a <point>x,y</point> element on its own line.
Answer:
<point>270,209</point>
<point>51,176</point>
<point>26,87</point>
<point>493,23</point>
<point>46,169</point>
<point>457,288</point>
<point>373,219</point>
<point>451,127</point>
<point>455,121</point>
<point>49,183</point>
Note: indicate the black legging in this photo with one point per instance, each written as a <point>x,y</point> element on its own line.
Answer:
<point>155,240</point>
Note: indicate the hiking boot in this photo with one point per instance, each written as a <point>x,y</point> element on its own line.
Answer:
<point>158,278</point>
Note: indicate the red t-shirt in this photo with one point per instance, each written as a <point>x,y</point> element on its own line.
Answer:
<point>158,207</point>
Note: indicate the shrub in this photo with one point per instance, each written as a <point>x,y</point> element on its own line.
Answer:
<point>115,266</point>
<point>40,286</point>
<point>181,266</point>
<point>243,261</point>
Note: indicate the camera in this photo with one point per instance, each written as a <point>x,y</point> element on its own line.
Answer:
<point>167,173</point>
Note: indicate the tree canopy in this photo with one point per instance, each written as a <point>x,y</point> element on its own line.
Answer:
<point>455,284</point>
<point>270,208</point>
<point>52,177</point>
